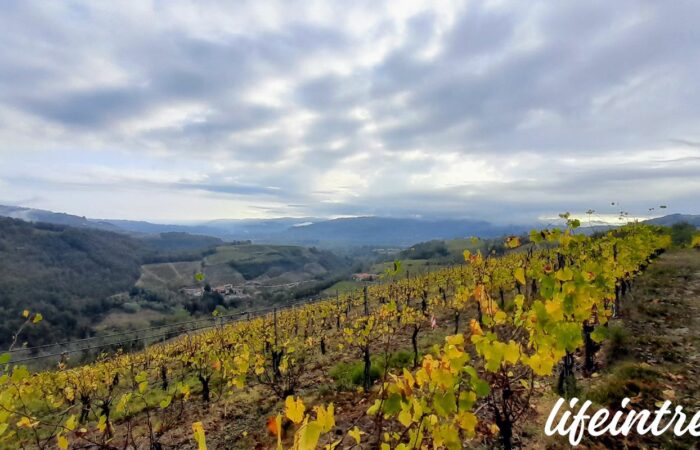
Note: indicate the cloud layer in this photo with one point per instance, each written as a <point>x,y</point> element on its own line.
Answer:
<point>502,110</point>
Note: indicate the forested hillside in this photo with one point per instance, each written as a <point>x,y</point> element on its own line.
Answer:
<point>78,277</point>
<point>66,273</point>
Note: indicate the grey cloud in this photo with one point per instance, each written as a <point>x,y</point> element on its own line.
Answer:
<point>232,189</point>
<point>591,79</point>
<point>87,109</point>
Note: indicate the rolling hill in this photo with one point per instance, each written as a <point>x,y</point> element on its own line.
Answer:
<point>247,264</point>
<point>79,276</point>
<point>352,231</point>
<point>673,219</point>
<point>66,273</point>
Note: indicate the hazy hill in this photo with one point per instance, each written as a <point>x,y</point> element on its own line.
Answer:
<point>672,219</point>
<point>143,227</point>
<point>134,227</point>
<point>40,215</point>
<point>392,231</point>
<point>355,231</point>
<point>177,241</point>
<point>258,227</point>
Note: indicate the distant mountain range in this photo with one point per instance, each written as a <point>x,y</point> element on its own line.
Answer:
<point>675,218</point>
<point>305,231</point>
<point>380,231</point>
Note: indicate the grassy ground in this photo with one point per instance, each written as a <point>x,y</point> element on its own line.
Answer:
<point>342,287</point>
<point>653,355</point>
<point>235,264</point>
<point>168,275</point>
<point>121,321</point>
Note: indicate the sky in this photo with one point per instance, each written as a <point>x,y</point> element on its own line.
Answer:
<point>499,110</point>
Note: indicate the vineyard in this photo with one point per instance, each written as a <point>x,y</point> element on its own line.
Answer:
<point>514,325</point>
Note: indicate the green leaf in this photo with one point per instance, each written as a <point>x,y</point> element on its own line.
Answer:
<point>5,358</point>
<point>19,374</point>
<point>392,404</point>
<point>166,402</point>
<point>600,334</point>
<point>445,403</point>
<point>481,387</point>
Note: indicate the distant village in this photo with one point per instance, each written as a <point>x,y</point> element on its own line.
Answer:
<point>224,289</point>
<point>229,290</point>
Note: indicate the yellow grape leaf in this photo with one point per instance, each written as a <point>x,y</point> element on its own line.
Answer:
<point>62,442</point>
<point>143,386</point>
<point>374,409</point>
<point>541,364</point>
<point>512,352</point>
<point>102,424</point>
<point>519,300</point>
<point>479,292</point>
<point>553,308</point>
<point>307,436</point>
<point>405,416</point>
<point>356,434</point>
<point>564,274</point>
<point>278,430</point>
<point>69,393</point>
<point>512,242</point>
<point>185,390</point>
<point>123,401</point>
<point>467,254</point>
<point>332,445</point>
<point>37,318</point>
<point>284,366</point>
<point>294,409</point>
<point>500,317</point>
<point>325,417</point>
<point>467,421</point>
<point>25,313</point>
<point>457,339</point>
<point>71,422</point>
<point>25,422</point>
<point>199,437</point>
<point>475,328</point>
<point>520,275</point>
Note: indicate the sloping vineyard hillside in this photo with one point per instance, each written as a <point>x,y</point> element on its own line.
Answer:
<point>504,328</point>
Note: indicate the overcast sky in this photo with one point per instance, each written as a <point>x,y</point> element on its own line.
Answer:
<point>193,110</point>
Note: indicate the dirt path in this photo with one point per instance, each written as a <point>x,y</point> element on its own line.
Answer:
<point>664,322</point>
